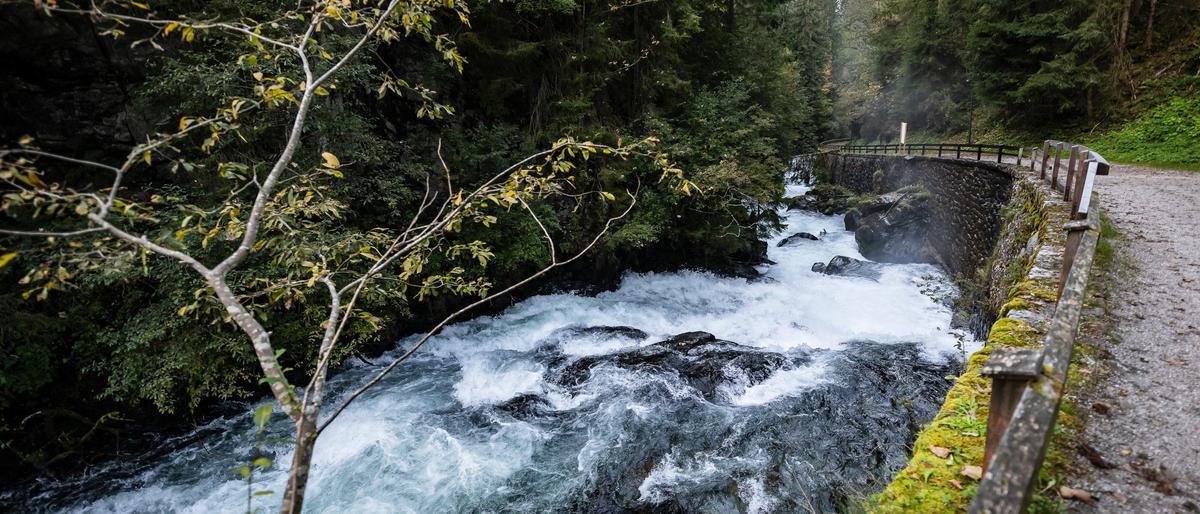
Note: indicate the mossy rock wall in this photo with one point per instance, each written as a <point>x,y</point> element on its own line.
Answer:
<point>1019,279</point>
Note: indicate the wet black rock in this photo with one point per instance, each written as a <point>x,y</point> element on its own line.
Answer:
<point>799,203</point>
<point>756,253</point>
<point>892,228</point>
<point>851,219</point>
<point>525,406</point>
<point>849,267</point>
<point>604,331</point>
<point>699,358</point>
<point>687,340</point>
<point>824,198</point>
<point>797,238</point>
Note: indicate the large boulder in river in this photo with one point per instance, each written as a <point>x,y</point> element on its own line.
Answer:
<point>713,367</point>
<point>849,267</point>
<point>892,227</point>
<point>687,341</point>
<point>797,238</point>
<point>823,198</point>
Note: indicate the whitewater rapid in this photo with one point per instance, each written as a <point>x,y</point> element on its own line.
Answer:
<point>483,420</point>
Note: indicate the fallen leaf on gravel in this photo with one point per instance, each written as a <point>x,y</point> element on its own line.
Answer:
<point>1176,362</point>
<point>939,451</point>
<point>1093,455</point>
<point>1074,494</point>
<point>1101,407</point>
<point>975,472</point>
<point>956,484</point>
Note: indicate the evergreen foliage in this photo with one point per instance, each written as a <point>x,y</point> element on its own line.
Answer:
<point>1065,66</point>
<point>731,89</point>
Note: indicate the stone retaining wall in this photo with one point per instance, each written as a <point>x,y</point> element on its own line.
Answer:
<point>966,198</point>
<point>998,228</point>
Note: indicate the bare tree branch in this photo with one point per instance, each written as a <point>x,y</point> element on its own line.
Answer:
<point>421,342</point>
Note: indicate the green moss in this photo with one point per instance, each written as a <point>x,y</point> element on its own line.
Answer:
<point>1016,304</point>
<point>1012,333</point>
<point>1040,289</point>
<point>925,485</point>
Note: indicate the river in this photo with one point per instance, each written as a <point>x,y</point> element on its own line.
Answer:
<point>806,402</point>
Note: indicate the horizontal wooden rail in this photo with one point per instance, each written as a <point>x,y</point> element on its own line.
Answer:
<point>959,151</point>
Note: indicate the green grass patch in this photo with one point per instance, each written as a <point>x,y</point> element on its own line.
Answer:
<point>1167,135</point>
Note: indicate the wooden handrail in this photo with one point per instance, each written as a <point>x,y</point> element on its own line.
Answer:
<point>1012,472</point>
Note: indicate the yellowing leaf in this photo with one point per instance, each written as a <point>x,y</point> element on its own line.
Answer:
<point>331,160</point>
<point>974,472</point>
<point>4,259</point>
<point>140,5</point>
<point>1071,493</point>
<point>170,28</point>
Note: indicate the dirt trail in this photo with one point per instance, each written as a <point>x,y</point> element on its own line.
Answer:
<point>1142,439</point>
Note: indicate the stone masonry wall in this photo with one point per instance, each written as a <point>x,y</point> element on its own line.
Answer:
<point>1018,281</point>
<point>966,197</point>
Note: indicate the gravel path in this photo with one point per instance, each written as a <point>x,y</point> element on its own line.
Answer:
<point>1142,438</point>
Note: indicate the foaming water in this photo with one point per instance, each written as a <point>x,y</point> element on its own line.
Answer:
<point>809,395</point>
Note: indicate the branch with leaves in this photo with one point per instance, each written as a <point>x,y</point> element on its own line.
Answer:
<point>284,215</point>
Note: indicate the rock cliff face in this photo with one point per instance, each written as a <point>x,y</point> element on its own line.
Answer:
<point>892,228</point>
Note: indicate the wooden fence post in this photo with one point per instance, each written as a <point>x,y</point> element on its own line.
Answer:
<point>1010,369</point>
<point>1080,180</point>
<point>1058,150</point>
<point>1072,166</point>
<point>1045,157</point>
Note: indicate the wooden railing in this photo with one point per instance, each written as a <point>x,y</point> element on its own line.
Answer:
<point>1027,384</point>
<point>958,151</point>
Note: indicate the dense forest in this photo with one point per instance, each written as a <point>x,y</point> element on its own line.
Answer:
<point>97,352</point>
<point>727,91</point>
<point>1122,75</point>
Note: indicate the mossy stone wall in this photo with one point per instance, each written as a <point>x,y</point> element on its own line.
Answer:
<point>1019,279</point>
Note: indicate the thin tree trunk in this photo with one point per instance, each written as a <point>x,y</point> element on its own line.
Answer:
<point>1124,29</point>
<point>306,440</point>
<point>1150,26</point>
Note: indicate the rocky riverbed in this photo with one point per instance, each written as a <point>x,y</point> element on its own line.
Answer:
<point>799,390</point>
